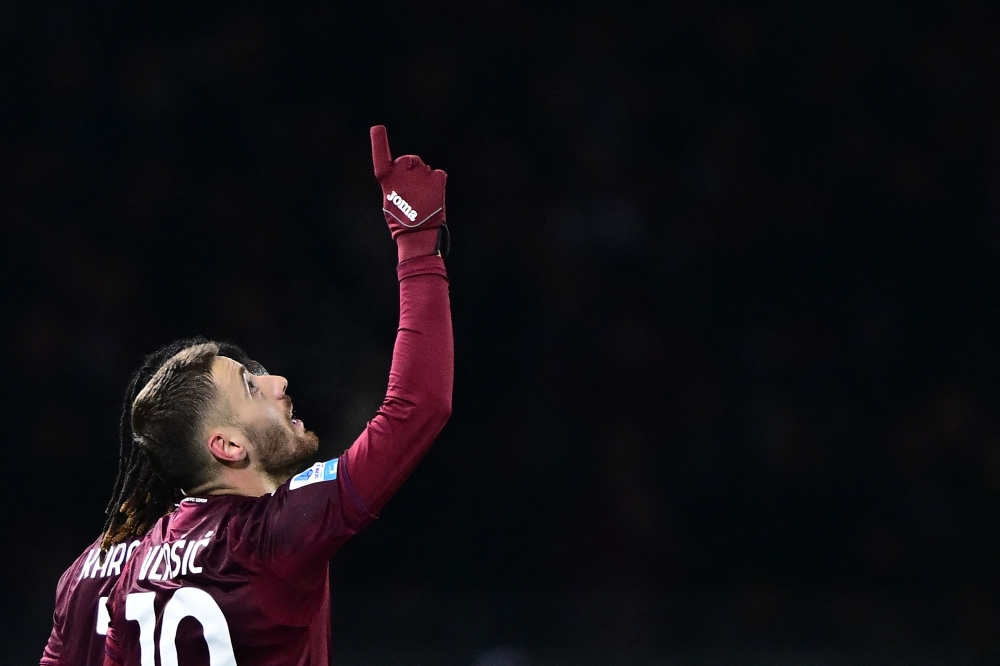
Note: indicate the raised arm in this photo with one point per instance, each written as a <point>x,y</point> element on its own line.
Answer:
<point>418,401</point>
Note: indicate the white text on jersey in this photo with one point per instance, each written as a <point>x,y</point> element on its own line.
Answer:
<point>176,558</point>
<point>118,555</point>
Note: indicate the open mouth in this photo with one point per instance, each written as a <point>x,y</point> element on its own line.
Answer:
<point>291,418</point>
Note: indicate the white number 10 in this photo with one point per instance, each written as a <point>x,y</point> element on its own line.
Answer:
<point>186,602</point>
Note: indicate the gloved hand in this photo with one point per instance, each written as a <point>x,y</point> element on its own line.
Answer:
<point>412,199</point>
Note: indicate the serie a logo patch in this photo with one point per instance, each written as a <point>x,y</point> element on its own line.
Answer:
<point>321,471</point>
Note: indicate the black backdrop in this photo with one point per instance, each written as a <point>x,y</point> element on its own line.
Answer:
<point>724,280</point>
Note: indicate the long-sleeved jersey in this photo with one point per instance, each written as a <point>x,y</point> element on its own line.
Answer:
<point>80,620</point>
<point>231,579</point>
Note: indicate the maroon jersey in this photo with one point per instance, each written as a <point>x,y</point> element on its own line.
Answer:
<point>250,573</point>
<point>228,580</point>
<point>80,620</point>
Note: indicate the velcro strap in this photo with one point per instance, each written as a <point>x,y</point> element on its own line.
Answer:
<point>430,265</point>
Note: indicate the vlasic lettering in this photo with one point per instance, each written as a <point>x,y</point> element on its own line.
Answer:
<point>172,559</point>
<point>401,204</point>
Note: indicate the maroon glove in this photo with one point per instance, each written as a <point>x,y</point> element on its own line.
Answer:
<point>412,198</point>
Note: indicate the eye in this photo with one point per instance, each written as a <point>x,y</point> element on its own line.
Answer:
<point>251,386</point>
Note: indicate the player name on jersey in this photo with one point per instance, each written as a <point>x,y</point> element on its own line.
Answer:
<point>169,560</point>
<point>96,566</point>
<point>173,558</point>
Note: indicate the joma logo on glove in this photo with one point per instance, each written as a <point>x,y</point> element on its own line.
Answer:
<point>401,204</point>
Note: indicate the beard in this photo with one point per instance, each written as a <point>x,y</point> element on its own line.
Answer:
<point>281,452</point>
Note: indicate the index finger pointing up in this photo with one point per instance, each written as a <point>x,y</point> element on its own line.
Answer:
<point>381,157</point>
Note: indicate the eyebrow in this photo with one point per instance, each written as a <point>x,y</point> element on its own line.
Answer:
<point>242,370</point>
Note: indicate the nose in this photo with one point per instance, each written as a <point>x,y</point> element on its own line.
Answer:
<point>276,385</point>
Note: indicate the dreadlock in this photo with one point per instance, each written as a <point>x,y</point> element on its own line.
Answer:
<point>141,495</point>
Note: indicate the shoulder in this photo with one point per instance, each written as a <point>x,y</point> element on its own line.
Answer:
<point>67,584</point>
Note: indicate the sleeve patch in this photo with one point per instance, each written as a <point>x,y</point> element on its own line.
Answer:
<point>321,471</point>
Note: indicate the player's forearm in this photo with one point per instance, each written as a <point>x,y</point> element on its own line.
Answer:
<point>418,400</point>
<point>417,244</point>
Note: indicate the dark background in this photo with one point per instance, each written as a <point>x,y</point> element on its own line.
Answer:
<point>724,280</point>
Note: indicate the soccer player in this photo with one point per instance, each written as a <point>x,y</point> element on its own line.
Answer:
<point>239,572</point>
<point>80,619</point>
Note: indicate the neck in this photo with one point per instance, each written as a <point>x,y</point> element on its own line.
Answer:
<point>246,482</point>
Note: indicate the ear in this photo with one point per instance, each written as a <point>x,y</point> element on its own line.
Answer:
<point>227,446</point>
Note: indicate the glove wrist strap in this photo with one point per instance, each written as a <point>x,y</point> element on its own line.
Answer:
<point>417,244</point>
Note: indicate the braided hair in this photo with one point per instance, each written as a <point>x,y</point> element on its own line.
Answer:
<point>141,495</point>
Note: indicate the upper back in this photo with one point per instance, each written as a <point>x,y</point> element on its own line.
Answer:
<point>235,579</point>
<point>80,620</point>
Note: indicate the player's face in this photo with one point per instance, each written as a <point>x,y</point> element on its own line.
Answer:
<point>276,441</point>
